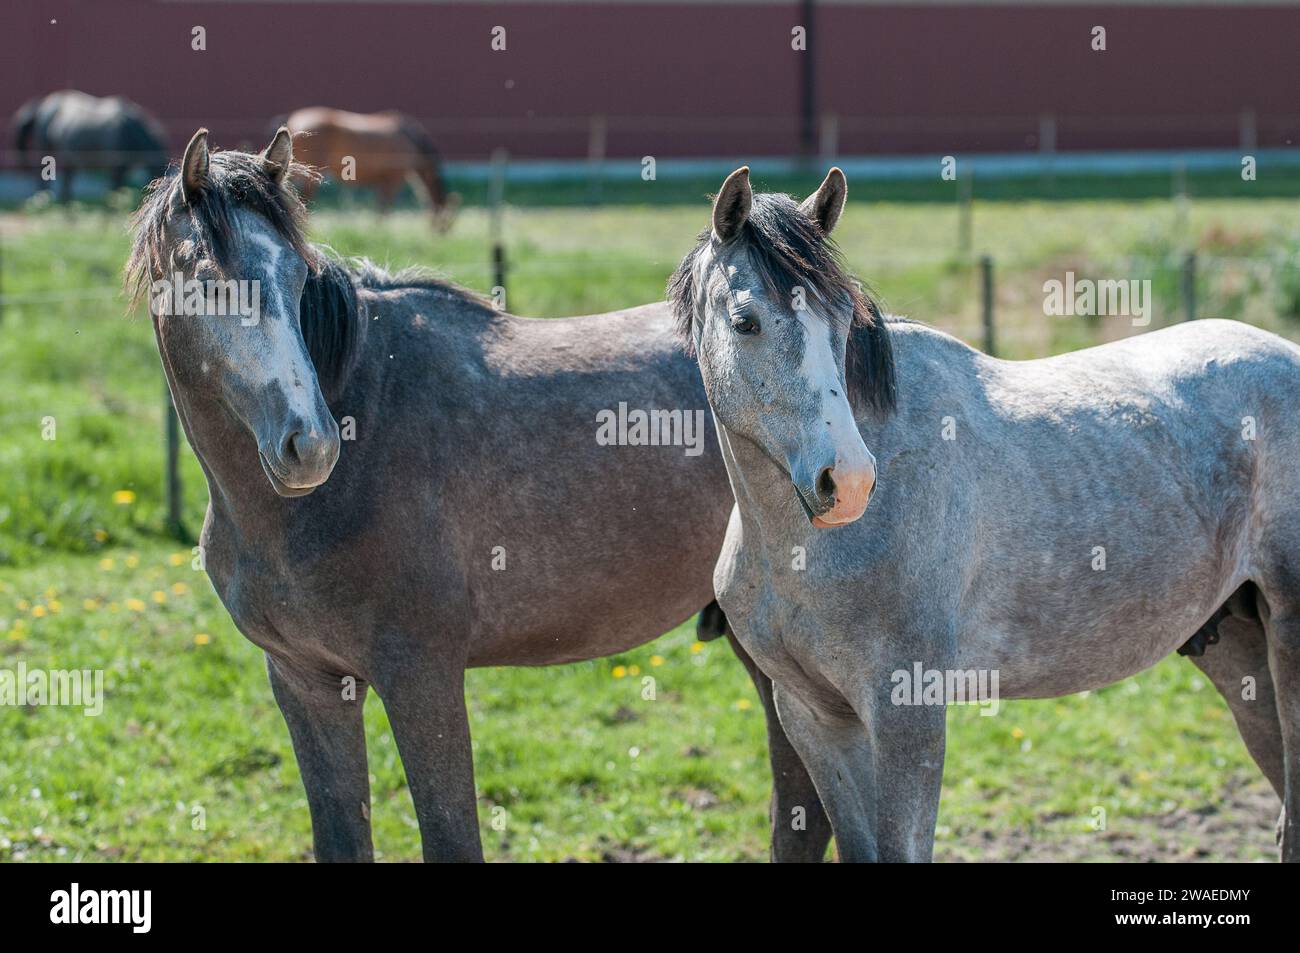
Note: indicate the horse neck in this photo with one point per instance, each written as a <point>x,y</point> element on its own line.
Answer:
<point>427,171</point>
<point>764,495</point>
<point>237,488</point>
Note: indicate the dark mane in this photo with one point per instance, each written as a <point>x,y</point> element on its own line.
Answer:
<point>332,316</point>
<point>789,250</point>
<point>236,180</point>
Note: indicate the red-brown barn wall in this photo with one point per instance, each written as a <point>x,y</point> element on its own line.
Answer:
<point>677,79</point>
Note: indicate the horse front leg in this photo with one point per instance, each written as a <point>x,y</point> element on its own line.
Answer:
<point>833,744</point>
<point>425,700</point>
<point>909,744</point>
<point>325,722</point>
<point>386,192</point>
<point>800,828</point>
<point>878,776</point>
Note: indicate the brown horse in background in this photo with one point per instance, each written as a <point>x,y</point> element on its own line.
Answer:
<point>383,150</point>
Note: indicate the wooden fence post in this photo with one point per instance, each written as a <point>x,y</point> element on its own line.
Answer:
<point>496,227</point>
<point>986,296</point>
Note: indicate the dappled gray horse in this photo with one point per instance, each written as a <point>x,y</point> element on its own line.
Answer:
<point>84,132</point>
<point>1064,523</point>
<point>463,514</point>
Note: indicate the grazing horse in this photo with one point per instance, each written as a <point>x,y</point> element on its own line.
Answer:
<point>86,132</point>
<point>1060,523</point>
<point>464,514</point>
<point>380,149</point>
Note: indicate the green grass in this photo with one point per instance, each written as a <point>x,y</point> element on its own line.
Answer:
<point>1274,181</point>
<point>582,765</point>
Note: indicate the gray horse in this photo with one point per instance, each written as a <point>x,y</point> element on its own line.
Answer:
<point>1059,523</point>
<point>84,132</point>
<point>405,482</point>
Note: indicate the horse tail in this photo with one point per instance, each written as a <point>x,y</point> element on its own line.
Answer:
<point>712,623</point>
<point>423,142</point>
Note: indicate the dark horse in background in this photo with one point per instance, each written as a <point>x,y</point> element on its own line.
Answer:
<point>464,515</point>
<point>384,150</point>
<point>88,133</point>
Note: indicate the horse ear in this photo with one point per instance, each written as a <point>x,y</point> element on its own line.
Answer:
<point>825,205</point>
<point>277,157</point>
<point>731,207</point>
<point>194,166</point>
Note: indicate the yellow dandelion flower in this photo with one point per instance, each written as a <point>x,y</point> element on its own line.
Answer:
<point>16,635</point>
<point>135,605</point>
<point>1017,733</point>
<point>619,671</point>
<point>697,648</point>
<point>39,611</point>
<point>132,561</point>
<point>202,638</point>
<point>179,588</point>
<point>90,605</point>
<point>124,497</point>
<point>113,607</point>
<point>56,605</point>
<point>656,660</point>
<point>634,669</point>
<point>178,559</point>
<point>744,704</point>
<point>100,535</point>
<point>51,592</point>
<point>23,605</point>
<point>106,564</point>
<point>158,596</point>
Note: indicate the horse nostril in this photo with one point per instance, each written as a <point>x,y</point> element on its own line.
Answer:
<point>289,449</point>
<point>826,484</point>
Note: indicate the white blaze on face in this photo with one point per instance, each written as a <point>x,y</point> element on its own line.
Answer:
<point>273,253</point>
<point>273,345</point>
<point>855,468</point>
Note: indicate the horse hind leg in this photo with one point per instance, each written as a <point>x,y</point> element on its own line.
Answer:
<point>1282,629</point>
<point>1234,657</point>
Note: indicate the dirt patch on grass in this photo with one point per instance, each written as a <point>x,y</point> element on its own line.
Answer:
<point>1238,828</point>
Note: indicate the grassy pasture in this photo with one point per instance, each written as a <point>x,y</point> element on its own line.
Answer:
<point>191,760</point>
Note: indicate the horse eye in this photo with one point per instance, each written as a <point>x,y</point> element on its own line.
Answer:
<point>744,326</point>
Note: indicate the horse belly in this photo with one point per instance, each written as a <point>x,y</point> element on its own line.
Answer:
<point>1111,548</point>
<point>1053,634</point>
<point>580,588</point>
